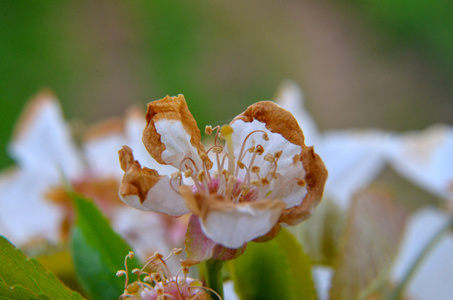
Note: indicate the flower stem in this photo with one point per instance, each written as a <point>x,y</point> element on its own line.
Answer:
<point>398,291</point>
<point>213,275</point>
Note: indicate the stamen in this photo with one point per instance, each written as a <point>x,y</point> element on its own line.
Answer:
<point>227,132</point>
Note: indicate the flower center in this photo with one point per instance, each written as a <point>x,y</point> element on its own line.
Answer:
<point>249,176</point>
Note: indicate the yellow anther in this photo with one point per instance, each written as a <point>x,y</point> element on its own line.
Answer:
<point>203,156</point>
<point>120,273</point>
<point>188,173</point>
<point>226,130</point>
<point>251,149</point>
<point>278,154</point>
<point>264,181</point>
<point>208,130</point>
<point>130,254</point>
<point>240,165</point>
<point>265,136</point>
<point>133,288</point>
<point>200,175</point>
<point>177,251</point>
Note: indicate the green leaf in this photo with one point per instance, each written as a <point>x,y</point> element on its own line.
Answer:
<point>98,252</point>
<point>277,269</point>
<point>369,245</point>
<point>26,278</point>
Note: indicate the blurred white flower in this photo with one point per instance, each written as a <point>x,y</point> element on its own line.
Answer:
<point>426,158</point>
<point>432,279</point>
<point>352,157</point>
<point>46,156</point>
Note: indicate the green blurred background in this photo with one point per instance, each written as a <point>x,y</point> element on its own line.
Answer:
<point>385,64</point>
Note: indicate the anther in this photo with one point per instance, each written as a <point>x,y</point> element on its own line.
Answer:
<point>176,175</point>
<point>264,181</point>
<point>200,175</point>
<point>269,157</point>
<point>188,173</point>
<point>203,156</point>
<point>265,136</point>
<point>255,169</point>
<point>217,149</point>
<point>256,183</point>
<point>208,130</point>
<point>240,165</point>
<point>120,273</point>
<point>296,158</point>
<point>259,150</point>
<point>278,154</point>
<point>133,288</point>
<point>301,182</point>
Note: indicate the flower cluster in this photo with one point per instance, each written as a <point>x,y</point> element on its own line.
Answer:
<point>155,281</point>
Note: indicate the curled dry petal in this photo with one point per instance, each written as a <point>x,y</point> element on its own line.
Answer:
<point>279,120</point>
<point>171,133</point>
<point>145,189</point>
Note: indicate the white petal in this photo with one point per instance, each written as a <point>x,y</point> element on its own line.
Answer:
<point>287,187</point>
<point>228,291</point>
<point>426,158</point>
<point>322,276</point>
<point>433,278</point>
<point>145,231</point>
<point>291,98</point>
<point>353,159</point>
<point>276,143</point>
<point>160,198</point>
<point>43,142</point>
<point>102,154</point>
<point>238,225</point>
<point>177,143</point>
<point>134,131</point>
<point>25,214</point>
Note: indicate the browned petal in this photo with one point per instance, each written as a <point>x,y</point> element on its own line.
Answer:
<point>170,108</point>
<point>315,178</point>
<point>136,180</point>
<point>277,120</point>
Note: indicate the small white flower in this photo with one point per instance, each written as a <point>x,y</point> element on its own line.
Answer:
<point>46,155</point>
<point>263,176</point>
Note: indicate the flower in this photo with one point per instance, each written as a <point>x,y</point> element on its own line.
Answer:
<point>34,205</point>
<point>264,176</point>
<point>425,157</point>
<point>354,157</point>
<point>155,281</point>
